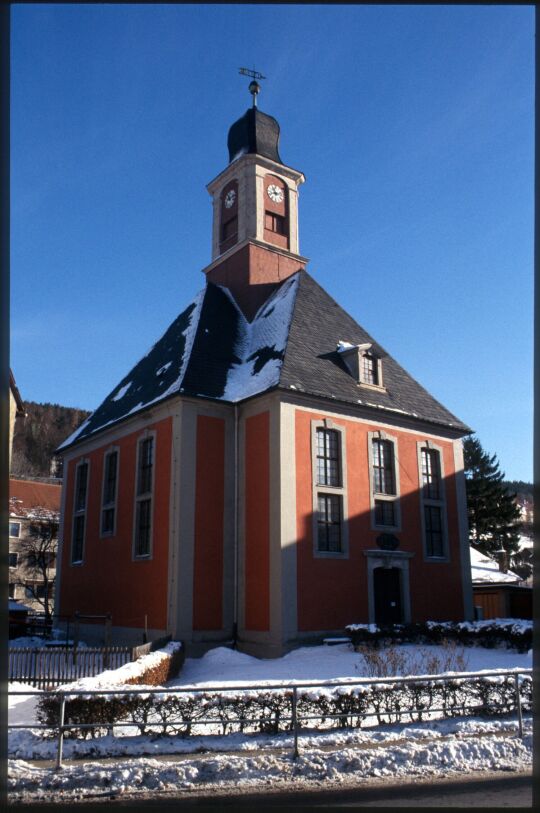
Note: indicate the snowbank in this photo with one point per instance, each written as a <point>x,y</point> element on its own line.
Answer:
<point>440,749</point>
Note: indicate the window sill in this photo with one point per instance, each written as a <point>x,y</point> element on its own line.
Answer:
<point>376,387</point>
<point>330,554</point>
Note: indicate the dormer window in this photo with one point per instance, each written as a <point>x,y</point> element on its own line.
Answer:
<point>369,369</point>
<point>362,362</point>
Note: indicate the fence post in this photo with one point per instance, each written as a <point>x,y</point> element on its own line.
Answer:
<point>75,637</point>
<point>518,707</point>
<point>295,721</point>
<point>107,640</point>
<point>61,732</point>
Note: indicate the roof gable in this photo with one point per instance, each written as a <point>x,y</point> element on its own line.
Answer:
<point>312,363</point>
<point>212,351</point>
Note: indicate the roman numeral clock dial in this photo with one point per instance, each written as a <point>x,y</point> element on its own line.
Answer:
<point>275,193</point>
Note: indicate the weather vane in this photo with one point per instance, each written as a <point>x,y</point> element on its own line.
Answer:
<point>254,86</point>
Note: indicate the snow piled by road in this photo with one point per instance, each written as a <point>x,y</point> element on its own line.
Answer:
<point>418,751</point>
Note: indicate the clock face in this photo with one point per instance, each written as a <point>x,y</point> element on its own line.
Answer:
<point>230,198</point>
<point>275,193</point>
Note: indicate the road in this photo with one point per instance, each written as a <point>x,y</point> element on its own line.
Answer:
<point>470,791</point>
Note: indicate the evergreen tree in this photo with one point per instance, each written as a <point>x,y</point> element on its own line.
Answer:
<point>494,517</point>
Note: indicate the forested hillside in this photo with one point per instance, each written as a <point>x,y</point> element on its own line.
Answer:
<point>38,435</point>
<point>519,487</point>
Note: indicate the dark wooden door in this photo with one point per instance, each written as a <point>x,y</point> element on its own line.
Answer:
<point>387,588</point>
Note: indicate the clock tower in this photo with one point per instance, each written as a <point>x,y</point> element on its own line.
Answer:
<point>255,213</point>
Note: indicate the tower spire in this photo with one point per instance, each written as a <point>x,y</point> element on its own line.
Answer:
<point>254,87</point>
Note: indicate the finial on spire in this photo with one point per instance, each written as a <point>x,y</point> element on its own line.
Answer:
<point>254,87</point>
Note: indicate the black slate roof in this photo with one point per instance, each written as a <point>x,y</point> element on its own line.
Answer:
<point>212,351</point>
<point>312,364</point>
<point>256,132</point>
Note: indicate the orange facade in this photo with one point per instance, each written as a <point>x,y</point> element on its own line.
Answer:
<point>334,592</point>
<point>209,517</point>
<point>257,523</point>
<point>110,580</point>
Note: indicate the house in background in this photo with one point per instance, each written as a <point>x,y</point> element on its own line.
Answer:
<point>497,591</point>
<point>16,410</point>
<point>34,515</point>
<point>267,473</point>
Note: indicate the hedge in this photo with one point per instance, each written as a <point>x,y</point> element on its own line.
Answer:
<point>153,669</point>
<point>489,634</point>
<point>270,710</point>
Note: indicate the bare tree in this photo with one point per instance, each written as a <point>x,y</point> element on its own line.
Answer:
<point>37,551</point>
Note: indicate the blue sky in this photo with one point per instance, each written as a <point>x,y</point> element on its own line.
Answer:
<point>412,124</point>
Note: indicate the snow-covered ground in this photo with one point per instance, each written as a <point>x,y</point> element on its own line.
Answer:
<point>141,763</point>
<point>221,665</point>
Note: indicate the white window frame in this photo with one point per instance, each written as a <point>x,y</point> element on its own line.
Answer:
<point>18,524</point>
<point>375,496</point>
<point>110,505</point>
<point>320,489</point>
<point>81,512</point>
<point>14,553</point>
<point>426,501</point>
<point>142,497</point>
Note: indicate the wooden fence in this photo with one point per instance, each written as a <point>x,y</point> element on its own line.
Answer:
<point>51,666</point>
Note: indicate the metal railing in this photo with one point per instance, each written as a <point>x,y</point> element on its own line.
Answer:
<point>292,687</point>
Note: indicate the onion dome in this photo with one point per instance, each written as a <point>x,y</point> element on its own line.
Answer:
<point>256,133</point>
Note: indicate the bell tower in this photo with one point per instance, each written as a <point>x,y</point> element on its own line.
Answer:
<point>255,212</point>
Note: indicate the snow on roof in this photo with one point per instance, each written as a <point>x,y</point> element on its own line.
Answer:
<point>31,499</point>
<point>525,542</point>
<point>152,379</point>
<point>212,351</point>
<point>17,607</point>
<point>261,344</point>
<point>485,570</point>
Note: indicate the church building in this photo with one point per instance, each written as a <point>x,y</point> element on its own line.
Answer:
<point>267,473</point>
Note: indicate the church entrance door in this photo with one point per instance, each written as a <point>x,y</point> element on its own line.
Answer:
<point>387,589</point>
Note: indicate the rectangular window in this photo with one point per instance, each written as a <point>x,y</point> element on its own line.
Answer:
<point>12,589</point>
<point>229,229</point>
<point>13,559</point>
<point>142,543</point>
<point>431,474</point>
<point>80,488</point>
<point>329,523</point>
<point>432,501</point>
<point>146,454</point>
<point>143,506</point>
<point>328,457</point>
<point>78,539</point>
<point>34,590</point>
<point>369,369</point>
<point>384,513</point>
<point>108,510</point>
<point>275,223</point>
<point>433,530</point>
<point>15,529</point>
<point>383,467</point>
<point>79,516</point>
